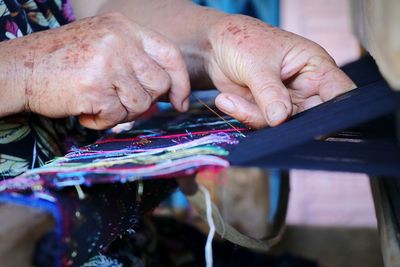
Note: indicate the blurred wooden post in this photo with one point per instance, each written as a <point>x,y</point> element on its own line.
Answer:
<point>376,24</point>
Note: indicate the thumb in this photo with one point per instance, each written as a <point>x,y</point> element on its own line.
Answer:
<point>239,108</point>
<point>104,119</point>
<point>271,96</point>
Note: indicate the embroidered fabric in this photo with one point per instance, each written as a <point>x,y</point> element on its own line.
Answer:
<point>122,173</point>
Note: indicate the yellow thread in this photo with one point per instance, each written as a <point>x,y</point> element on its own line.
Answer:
<point>219,116</point>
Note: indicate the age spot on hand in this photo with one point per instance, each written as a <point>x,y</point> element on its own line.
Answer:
<point>28,64</point>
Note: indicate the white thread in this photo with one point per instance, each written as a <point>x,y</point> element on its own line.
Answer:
<point>79,191</point>
<point>101,260</point>
<point>210,221</point>
<point>34,155</point>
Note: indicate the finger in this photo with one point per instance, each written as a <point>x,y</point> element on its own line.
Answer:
<point>153,79</point>
<point>335,82</point>
<point>171,60</point>
<point>239,108</point>
<point>107,117</point>
<point>271,96</point>
<point>310,103</point>
<point>322,76</point>
<point>132,96</point>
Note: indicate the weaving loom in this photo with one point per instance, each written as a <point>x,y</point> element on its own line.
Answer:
<point>171,145</point>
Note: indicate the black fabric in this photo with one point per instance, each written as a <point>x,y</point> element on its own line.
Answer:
<point>363,71</point>
<point>92,224</point>
<point>293,144</point>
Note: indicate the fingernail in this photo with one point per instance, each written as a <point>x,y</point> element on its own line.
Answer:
<point>276,112</point>
<point>227,105</point>
<point>185,104</point>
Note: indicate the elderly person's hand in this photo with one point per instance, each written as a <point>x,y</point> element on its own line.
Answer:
<point>266,74</point>
<point>104,69</point>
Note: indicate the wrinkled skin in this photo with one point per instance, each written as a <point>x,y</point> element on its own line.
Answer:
<point>105,70</point>
<point>266,74</point>
<point>108,69</point>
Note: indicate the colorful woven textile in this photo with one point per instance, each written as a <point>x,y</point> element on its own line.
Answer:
<point>179,147</point>
<point>100,191</point>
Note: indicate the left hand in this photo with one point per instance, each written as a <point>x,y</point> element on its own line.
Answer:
<point>267,74</point>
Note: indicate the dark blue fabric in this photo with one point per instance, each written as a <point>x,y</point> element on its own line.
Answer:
<point>85,227</point>
<point>291,144</point>
<point>365,157</point>
<point>350,109</point>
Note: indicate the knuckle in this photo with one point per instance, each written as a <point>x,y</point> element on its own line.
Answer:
<point>174,52</point>
<point>159,88</point>
<point>110,38</point>
<point>322,59</point>
<point>113,17</point>
<point>270,89</point>
<point>169,52</point>
<point>90,78</point>
<point>323,67</point>
<point>142,65</point>
<point>153,79</point>
<point>111,28</point>
<point>163,83</point>
<point>142,105</point>
<point>87,83</point>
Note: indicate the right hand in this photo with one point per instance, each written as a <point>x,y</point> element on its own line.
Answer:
<point>266,74</point>
<point>104,69</point>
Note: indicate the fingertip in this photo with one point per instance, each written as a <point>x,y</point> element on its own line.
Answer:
<point>271,96</point>
<point>225,104</point>
<point>276,113</point>
<point>180,91</point>
<point>179,105</point>
<point>336,83</point>
<point>239,108</point>
<point>185,104</point>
